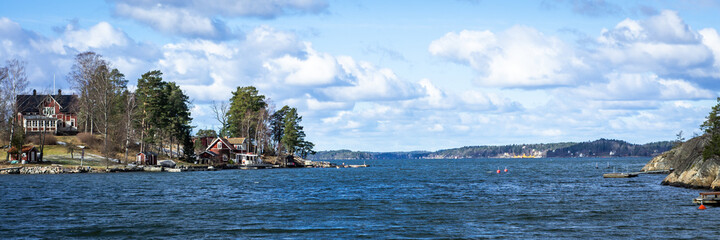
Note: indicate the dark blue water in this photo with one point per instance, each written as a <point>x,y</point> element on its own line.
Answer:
<point>537,198</point>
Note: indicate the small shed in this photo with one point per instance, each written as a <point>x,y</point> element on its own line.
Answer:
<point>29,154</point>
<point>146,158</point>
<point>207,157</point>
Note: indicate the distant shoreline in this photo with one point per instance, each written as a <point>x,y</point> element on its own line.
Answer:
<point>597,148</point>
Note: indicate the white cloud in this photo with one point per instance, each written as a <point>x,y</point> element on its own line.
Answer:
<point>316,69</point>
<point>625,86</point>
<point>174,20</point>
<point>518,57</point>
<point>101,35</point>
<point>663,44</point>
<point>362,81</point>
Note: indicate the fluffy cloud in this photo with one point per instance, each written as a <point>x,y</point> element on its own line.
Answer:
<point>626,86</point>
<point>518,57</point>
<point>102,35</point>
<point>362,81</point>
<point>662,44</point>
<point>179,21</point>
<point>316,69</point>
<point>200,19</point>
<point>48,57</point>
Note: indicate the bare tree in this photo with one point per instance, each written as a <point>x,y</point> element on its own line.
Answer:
<point>81,77</point>
<point>220,109</point>
<point>5,98</point>
<point>130,105</point>
<point>13,83</point>
<point>261,129</point>
<point>100,86</point>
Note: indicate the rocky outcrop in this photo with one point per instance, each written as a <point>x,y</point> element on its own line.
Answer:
<point>690,169</point>
<point>54,169</point>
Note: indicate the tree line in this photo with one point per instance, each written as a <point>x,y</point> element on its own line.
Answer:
<point>249,114</point>
<point>155,116</point>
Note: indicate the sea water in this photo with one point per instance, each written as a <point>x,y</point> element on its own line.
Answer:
<point>404,198</point>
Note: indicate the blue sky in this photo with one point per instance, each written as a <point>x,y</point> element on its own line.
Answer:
<point>404,75</point>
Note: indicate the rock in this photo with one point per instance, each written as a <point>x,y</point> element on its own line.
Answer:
<point>691,170</point>
<point>167,163</point>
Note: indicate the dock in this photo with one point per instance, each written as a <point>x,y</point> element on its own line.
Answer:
<point>619,175</point>
<point>708,198</point>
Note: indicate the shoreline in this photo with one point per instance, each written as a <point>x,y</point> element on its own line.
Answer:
<point>60,169</point>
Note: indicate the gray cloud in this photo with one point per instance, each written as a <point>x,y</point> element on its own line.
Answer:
<point>203,19</point>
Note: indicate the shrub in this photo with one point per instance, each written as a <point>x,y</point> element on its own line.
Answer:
<point>35,139</point>
<point>50,139</point>
<point>88,140</point>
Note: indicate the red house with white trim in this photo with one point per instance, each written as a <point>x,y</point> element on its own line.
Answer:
<point>55,114</point>
<point>222,149</point>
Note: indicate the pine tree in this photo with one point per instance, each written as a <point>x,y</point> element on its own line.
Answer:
<point>292,131</point>
<point>711,126</point>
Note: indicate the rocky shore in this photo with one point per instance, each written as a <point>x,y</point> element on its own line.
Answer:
<point>59,169</point>
<point>46,170</point>
<point>690,169</point>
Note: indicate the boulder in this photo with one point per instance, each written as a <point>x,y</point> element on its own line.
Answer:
<point>167,163</point>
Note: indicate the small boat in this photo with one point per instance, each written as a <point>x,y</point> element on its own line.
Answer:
<point>619,175</point>
<point>708,198</point>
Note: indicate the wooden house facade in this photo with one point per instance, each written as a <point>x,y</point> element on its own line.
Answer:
<point>28,153</point>
<point>223,150</point>
<point>56,114</point>
<point>146,158</point>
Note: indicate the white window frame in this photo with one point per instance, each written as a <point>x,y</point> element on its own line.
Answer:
<point>47,111</point>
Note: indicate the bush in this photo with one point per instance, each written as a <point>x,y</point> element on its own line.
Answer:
<point>88,140</point>
<point>50,139</point>
<point>35,139</point>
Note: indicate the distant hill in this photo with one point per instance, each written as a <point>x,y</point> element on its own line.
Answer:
<point>611,148</point>
<point>597,148</point>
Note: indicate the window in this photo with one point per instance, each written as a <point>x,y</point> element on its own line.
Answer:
<point>49,111</point>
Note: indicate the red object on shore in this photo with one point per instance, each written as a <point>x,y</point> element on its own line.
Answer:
<point>702,207</point>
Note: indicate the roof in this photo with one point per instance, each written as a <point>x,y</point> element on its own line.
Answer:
<point>147,153</point>
<point>39,117</point>
<point>30,103</point>
<point>209,152</point>
<point>236,141</point>
<point>28,148</point>
<point>224,141</point>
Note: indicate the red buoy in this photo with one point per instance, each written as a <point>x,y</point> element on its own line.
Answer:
<point>505,169</point>
<point>498,171</point>
<point>702,207</point>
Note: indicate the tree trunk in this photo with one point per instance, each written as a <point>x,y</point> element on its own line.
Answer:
<point>42,142</point>
<point>12,132</point>
<point>142,136</point>
<point>171,147</point>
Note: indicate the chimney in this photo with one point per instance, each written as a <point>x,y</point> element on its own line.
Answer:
<point>34,92</point>
<point>59,91</point>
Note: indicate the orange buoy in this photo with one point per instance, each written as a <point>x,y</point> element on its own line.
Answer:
<point>702,207</point>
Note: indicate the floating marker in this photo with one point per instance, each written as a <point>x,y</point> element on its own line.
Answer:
<point>702,207</point>
<point>498,171</point>
<point>505,169</point>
